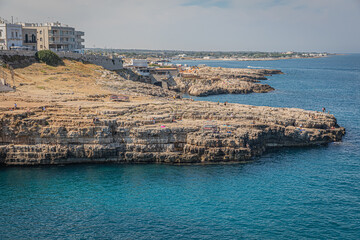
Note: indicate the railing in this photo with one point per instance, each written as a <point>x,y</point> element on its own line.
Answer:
<point>61,35</point>
<point>15,38</point>
<point>61,42</point>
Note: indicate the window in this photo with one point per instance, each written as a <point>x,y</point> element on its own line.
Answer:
<point>16,34</point>
<point>0,33</point>
<point>40,39</point>
<point>12,34</point>
<point>41,46</point>
<point>40,31</point>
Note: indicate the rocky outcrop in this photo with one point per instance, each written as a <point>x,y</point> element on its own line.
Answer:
<point>202,81</point>
<point>177,131</point>
<point>65,115</point>
<point>212,81</point>
<point>128,83</point>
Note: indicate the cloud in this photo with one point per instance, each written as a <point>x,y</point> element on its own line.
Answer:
<point>208,3</point>
<point>302,25</point>
<point>274,3</point>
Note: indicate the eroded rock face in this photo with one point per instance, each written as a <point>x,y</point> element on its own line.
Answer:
<point>177,131</point>
<point>211,81</point>
<point>70,118</point>
<point>200,82</point>
<point>128,83</point>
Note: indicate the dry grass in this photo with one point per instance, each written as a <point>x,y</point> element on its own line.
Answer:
<point>42,84</point>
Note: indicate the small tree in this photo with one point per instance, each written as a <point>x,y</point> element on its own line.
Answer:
<point>48,57</point>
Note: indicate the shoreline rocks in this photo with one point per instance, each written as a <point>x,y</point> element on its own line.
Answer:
<point>207,81</point>
<point>179,131</point>
<point>69,118</point>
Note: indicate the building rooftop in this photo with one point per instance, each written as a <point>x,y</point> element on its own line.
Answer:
<point>51,24</point>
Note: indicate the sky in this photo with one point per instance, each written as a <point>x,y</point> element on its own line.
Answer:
<point>214,25</point>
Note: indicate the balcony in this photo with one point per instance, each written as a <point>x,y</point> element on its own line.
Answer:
<point>61,47</point>
<point>15,38</point>
<point>60,35</point>
<point>54,35</point>
<point>79,33</point>
<point>58,41</point>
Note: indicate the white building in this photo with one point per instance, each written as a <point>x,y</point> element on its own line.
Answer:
<point>79,41</point>
<point>56,36</point>
<point>139,63</point>
<point>208,57</point>
<point>10,35</point>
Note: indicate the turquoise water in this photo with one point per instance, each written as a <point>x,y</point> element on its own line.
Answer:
<point>286,194</point>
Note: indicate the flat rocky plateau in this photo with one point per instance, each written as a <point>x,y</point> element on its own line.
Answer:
<point>206,81</point>
<point>64,115</point>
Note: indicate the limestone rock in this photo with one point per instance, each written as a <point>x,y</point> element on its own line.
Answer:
<point>164,131</point>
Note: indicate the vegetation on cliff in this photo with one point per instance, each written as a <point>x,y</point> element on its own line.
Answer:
<point>48,57</point>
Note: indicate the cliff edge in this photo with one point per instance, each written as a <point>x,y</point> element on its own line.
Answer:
<point>67,114</point>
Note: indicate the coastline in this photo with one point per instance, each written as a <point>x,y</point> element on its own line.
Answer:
<point>253,59</point>
<point>64,116</point>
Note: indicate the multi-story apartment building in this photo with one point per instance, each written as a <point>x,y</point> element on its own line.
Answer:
<point>55,36</point>
<point>29,38</point>
<point>79,40</point>
<point>10,35</point>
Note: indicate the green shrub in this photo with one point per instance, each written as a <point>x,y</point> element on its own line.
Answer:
<point>48,57</point>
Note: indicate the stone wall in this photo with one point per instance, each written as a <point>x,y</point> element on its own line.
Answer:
<point>17,53</point>
<point>105,62</point>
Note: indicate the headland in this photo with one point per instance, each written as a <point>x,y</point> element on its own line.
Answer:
<point>82,113</point>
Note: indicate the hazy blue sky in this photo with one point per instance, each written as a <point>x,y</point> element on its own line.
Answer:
<point>258,25</point>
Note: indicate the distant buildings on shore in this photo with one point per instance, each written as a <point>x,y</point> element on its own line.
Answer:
<point>40,36</point>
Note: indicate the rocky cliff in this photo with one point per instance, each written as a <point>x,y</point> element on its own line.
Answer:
<point>179,131</point>
<point>64,115</point>
<point>206,81</point>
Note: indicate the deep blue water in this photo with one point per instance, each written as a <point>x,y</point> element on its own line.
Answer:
<point>286,194</point>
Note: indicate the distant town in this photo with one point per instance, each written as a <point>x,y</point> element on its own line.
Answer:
<point>171,55</point>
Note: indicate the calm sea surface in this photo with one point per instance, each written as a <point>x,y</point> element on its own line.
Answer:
<point>286,194</point>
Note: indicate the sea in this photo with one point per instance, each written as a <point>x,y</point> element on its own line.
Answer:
<point>288,193</point>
